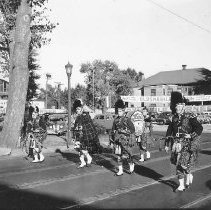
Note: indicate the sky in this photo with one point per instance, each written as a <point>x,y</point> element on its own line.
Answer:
<point>146,36</point>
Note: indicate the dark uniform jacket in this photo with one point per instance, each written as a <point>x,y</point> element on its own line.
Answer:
<point>186,123</point>
<point>84,131</point>
<point>123,133</point>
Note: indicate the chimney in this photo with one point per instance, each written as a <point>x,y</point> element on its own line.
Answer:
<point>184,67</point>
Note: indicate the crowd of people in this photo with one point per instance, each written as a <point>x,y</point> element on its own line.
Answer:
<point>130,134</point>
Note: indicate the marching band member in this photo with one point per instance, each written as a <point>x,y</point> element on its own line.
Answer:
<point>146,136</point>
<point>123,136</point>
<point>37,132</point>
<point>186,131</point>
<point>85,134</point>
<point>37,149</point>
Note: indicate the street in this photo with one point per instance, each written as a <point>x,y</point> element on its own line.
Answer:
<point>58,184</point>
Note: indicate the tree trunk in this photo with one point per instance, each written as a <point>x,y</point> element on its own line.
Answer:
<point>18,79</point>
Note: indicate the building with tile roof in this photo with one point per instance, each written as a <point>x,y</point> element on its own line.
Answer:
<point>4,83</point>
<point>163,83</point>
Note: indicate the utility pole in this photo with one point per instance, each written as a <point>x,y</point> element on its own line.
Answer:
<point>59,93</point>
<point>93,78</point>
<point>48,76</point>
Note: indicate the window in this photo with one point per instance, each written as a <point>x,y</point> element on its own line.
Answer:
<point>1,86</point>
<point>169,91</point>
<point>5,87</point>
<point>190,91</point>
<point>153,92</point>
<point>101,117</point>
<point>164,92</point>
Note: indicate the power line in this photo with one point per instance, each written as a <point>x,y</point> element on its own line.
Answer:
<point>179,16</point>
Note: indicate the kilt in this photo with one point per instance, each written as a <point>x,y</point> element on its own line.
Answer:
<point>125,145</point>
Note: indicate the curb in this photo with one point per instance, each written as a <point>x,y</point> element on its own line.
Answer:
<point>20,153</point>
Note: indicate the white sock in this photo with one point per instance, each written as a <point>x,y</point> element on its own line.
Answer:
<point>187,179</point>
<point>191,178</point>
<point>41,157</point>
<point>120,170</point>
<point>89,158</point>
<point>181,185</point>
<point>35,159</point>
<point>83,163</point>
<point>132,165</point>
<point>148,154</point>
<point>142,158</point>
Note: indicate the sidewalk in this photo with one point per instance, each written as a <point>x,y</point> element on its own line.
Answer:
<point>206,128</point>
<point>53,142</point>
<point>50,145</point>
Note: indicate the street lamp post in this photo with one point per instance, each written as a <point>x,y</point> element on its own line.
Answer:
<point>59,94</point>
<point>93,88</point>
<point>48,76</point>
<point>68,68</point>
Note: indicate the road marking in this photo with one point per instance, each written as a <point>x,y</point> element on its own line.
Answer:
<point>197,201</point>
<point>65,178</point>
<point>50,181</point>
<point>24,171</point>
<point>120,191</point>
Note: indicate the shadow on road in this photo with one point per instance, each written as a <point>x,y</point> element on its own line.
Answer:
<point>208,184</point>
<point>147,172</point>
<point>170,183</point>
<point>11,198</point>
<point>69,156</point>
<point>205,152</point>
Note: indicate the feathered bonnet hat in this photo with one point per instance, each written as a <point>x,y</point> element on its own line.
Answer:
<point>119,105</point>
<point>76,104</point>
<point>176,98</point>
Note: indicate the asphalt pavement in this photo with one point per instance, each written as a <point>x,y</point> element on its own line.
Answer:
<point>58,184</point>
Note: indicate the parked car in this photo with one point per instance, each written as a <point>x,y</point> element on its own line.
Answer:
<point>57,123</point>
<point>164,118</point>
<point>104,120</point>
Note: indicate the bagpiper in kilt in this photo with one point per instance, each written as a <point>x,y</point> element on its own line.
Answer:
<point>185,130</point>
<point>85,135</point>
<point>146,137</point>
<point>123,137</point>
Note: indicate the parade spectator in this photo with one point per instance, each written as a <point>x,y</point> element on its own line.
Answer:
<point>37,109</point>
<point>31,111</point>
<point>186,131</point>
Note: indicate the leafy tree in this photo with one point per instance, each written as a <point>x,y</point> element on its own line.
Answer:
<point>23,29</point>
<point>19,74</point>
<point>40,27</point>
<point>203,86</point>
<point>104,78</point>
<point>132,73</point>
<point>33,76</point>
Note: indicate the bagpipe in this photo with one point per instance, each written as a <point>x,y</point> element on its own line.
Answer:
<point>174,144</point>
<point>121,139</point>
<point>170,140</point>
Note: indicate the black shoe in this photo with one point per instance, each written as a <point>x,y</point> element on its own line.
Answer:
<point>118,174</point>
<point>78,167</point>
<point>131,172</point>
<point>176,190</point>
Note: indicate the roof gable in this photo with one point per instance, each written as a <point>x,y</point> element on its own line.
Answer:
<point>177,77</point>
<point>2,77</point>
